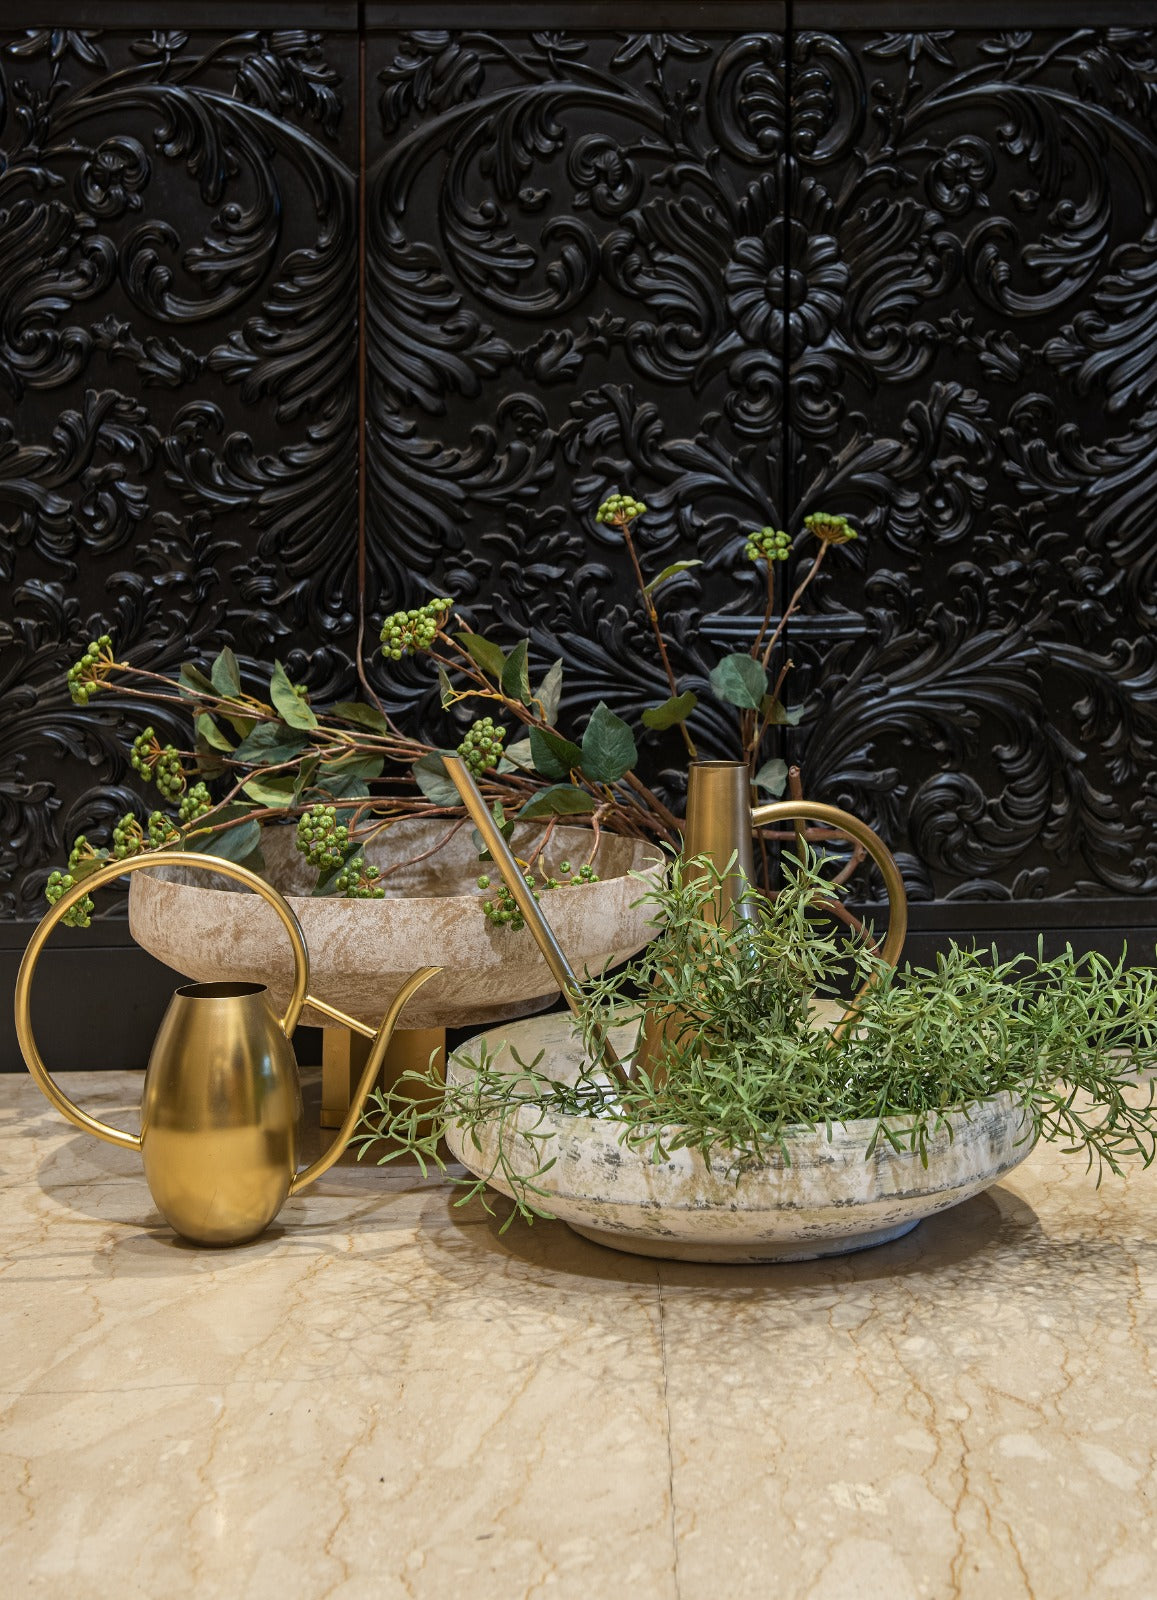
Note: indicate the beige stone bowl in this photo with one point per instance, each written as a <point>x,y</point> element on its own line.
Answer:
<point>828,1201</point>
<point>362,950</point>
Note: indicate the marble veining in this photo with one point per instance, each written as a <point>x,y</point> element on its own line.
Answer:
<point>386,1397</point>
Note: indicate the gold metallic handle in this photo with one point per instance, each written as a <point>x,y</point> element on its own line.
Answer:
<point>377,1055</point>
<point>552,952</point>
<point>98,880</point>
<point>834,817</point>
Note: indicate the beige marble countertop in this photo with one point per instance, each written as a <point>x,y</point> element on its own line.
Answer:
<point>384,1397</point>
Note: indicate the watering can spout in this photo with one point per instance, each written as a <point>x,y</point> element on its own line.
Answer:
<point>373,1065</point>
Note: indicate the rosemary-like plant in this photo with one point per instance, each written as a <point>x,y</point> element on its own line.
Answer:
<point>743,1065</point>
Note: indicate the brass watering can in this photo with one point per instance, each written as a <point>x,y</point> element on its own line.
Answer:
<point>720,823</point>
<point>221,1107</point>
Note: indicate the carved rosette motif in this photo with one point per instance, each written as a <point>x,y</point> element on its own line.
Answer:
<point>602,261</point>
<point>926,296</point>
<point>573,288</point>
<point>974,374</point>
<point>178,440</point>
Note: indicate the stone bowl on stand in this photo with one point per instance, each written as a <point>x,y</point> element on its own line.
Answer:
<point>361,951</point>
<point>831,1198</point>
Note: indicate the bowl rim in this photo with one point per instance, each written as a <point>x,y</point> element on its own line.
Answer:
<point>647,869</point>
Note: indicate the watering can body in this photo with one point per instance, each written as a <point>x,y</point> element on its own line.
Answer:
<point>221,1108</point>
<point>221,1113</point>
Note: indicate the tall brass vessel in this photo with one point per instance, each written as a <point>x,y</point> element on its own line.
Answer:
<point>719,825</point>
<point>221,1107</point>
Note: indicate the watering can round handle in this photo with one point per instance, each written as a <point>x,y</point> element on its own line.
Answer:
<point>816,811</point>
<point>97,880</point>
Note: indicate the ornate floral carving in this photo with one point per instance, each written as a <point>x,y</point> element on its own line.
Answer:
<point>177,347</point>
<point>594,265</point>
<point>597,259</point>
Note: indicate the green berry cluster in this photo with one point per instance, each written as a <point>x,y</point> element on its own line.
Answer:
<point>87,675</point>
<point>768,544</point>
<point>161,830</point>
<point>404,633</point>
<point>481,749</point>
<point>161,763</point>
<point>57,886</point>
<point>82,851</point>
<point>128,838</point>
<point>321,838</point>
<point>358,882</point>
<point>503,910</point>
<point>195,804</point>
<point>144,752</point>
<point>620,508</point>
<point>829,529</point>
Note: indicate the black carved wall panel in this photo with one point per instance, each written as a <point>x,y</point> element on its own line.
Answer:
<point>973,372</point>
<point>178,423</point>
<point>597,255</point>
<point>572,289</point>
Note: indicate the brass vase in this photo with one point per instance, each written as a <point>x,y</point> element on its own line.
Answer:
<point>221,1105</point>
<point>719,825</point>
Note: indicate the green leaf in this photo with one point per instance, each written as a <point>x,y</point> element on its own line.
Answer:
<point>560,800</point>
<point>192,681</point>
<point>518,755</point>
<point>271,791</point>
<point>549,693</point>
<point>739,680</point>
<point>327,881</point>
<point>484,654</point>
<point>671,712</point>
<point>226,675</point>
<point>342,786</point>
<point>446,689</point>
<point>365,716</point>
<point>242,843</point>
<point>434,781</point>
<point>515,678</point>
<point>209,763</point>
<point>672,571</point>
<point>360,766</point>
<point>772,776</point>
<point>609,748</point>
<point>210,733</point>
<point>90,864</point>
<point>305,776</point>
<point>554,756</point>
<point>288,702</point>
<point>269,744</point>
<point>778,715</point>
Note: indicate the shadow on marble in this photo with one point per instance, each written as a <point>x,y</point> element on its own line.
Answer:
<point>975,1228</point>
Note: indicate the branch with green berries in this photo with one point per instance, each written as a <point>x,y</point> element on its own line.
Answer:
<point>344,773</point>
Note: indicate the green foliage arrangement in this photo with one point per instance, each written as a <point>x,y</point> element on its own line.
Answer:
<point>345,772</point>
<point>743,1065</point>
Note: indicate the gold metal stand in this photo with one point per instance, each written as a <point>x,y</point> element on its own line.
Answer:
<point>344,1055</point>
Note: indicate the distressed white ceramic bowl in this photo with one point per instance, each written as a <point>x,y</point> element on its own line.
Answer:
<point>362,950</point>
<point>829,1200</point>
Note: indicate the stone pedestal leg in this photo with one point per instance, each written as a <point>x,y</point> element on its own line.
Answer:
<point>344,1056</point>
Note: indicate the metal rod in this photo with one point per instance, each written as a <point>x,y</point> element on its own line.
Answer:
<point>555,957</point>
<point>334,1015</point>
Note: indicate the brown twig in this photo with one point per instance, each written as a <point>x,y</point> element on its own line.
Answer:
<point>790,609</point>
<point>624,527</point>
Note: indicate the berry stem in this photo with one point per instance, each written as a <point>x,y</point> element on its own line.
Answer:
<point>793,603</point>
<point>624,526</point>
<point>768,609</point>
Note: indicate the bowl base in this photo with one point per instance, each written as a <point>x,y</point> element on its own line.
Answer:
<point>749,1252</point>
